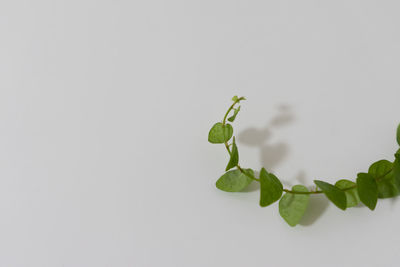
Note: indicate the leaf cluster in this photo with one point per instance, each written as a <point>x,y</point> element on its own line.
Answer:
<point>382,180</point>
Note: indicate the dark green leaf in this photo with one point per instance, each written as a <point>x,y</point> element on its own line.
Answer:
<point>220,133</point>
<point>292,206</point>
<point>387,187</point>
<point>234,160</point>
<point>396,170</point>
<point>367,190</point>
<point>270,188</point>
<point>382,171</point>
<point>234,181</point>
<point>334,194</point>
<point>398,134</point>
<point>352,198</point>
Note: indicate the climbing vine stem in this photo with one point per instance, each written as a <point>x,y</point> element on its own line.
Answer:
<point>381,181</point>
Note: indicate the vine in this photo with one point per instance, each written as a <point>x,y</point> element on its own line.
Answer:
<point>381,181</point>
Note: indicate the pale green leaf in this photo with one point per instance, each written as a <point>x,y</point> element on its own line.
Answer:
<point>220,133</point>
<point>233,117</point>
<point>352,198</point>
<point>367,190</point>
<point>270,188</point>
<point>334,194</point>
<point>292,206</point>
<point>234,181</point>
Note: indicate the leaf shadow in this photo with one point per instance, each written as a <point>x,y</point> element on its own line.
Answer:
<point>393,203</point>
<point>271,154</point>
<point>317,206</point>
<point>254,186</point>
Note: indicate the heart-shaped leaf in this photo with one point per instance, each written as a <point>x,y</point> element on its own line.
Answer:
<point>334,194</point>
<point>234,181</point>
<point>367,190</point>
<point>352,198</point>
<point>220,133</point>
<point>270,188</point>
<point>292,206</point>
<point>382,171</point>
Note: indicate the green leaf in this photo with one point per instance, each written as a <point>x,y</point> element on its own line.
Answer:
<point>270,188</point>
<point>382,171</point>
<point>334,194</point>
<point>352,198</point>
<point>249,172</point>
<point>234,160</point>
<point>387,187</point>
<point>367,190</point>
<point>220,133</point>
<point>398,134</point>
<point>292,206</point>
<point>235,98</point>
<point>234,181</point>
<point>396,170</point>
<point>233,117</point>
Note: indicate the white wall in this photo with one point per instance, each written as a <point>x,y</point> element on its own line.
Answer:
<point>105,108</point>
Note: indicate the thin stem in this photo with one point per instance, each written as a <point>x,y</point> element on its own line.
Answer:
<point>315,192</point>
<point>226,143</point>
<point>248,175</point>
<point>301,193</point>
<point>230,108</point>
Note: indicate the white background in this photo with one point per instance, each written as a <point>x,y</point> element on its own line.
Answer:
<point>105,108</point>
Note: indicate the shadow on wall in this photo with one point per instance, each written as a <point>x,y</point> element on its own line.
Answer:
<point>273,154</point>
